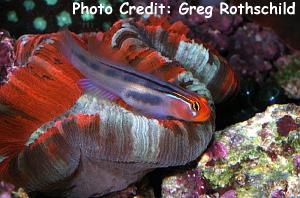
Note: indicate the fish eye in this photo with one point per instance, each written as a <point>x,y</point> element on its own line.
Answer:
<point>196,106</point>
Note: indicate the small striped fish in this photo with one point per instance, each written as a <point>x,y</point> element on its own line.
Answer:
<point>146,94</point>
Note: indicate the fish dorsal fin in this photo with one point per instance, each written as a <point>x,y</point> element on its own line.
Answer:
<point>94,44</point>
<point>104,52</point>
<point>93,89</point>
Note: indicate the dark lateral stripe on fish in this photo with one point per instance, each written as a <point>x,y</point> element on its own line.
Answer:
<point>144,97</point>
<point>111,73</point>
<point>130,73</point>
<point>83,58</point>
<point>102,64</point>
<point>148,94</point>
<point>82,55</point>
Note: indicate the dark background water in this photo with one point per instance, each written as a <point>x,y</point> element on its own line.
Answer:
<point>20,16</point>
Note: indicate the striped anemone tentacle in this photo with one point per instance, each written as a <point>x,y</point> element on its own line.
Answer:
<point>141,54</point>
<point>205,64</point>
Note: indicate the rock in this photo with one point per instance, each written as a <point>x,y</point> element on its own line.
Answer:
<point>288,75</point>
<point>256,158</point>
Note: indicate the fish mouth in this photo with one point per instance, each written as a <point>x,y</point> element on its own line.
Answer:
<point>206,109</point>
<point>206,116</point>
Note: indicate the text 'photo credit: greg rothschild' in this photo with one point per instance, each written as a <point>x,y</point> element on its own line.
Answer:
<point>272,8</point>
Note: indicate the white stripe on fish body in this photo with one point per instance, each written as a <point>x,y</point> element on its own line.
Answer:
<point>147,101</point>
<point>142,98</point>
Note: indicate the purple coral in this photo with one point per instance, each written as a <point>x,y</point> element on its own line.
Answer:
<point>216,30</point>
<point>200,182</point>
<point>253,50</point>
<point>286,124</point>
<point>278,193</point>
<point>6,189</point>
<point>193,180</point>
<point>189,184</point>
<point>217,151</point>
<point>224,23</point>
<point>229,194</point>
<point>7,54</point>
<point>296,162</point>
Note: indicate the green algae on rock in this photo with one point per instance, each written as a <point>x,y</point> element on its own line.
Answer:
<point>248,159</point>
<point>288,75</point>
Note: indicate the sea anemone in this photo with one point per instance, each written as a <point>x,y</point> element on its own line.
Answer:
<point>56,138</point>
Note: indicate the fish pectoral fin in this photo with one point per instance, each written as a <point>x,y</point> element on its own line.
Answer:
<point>93,89</point>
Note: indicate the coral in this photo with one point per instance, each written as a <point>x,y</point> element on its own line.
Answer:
<point>250,48</point>
<point>85,145</point>
<point>217,151</point>
<point>286,124</point>
<point>258,162</point>
<point>6,189</point>
<point>296,162</point>
<point>191,179</point>
<point>7,55</point>
<point>258,43</point>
